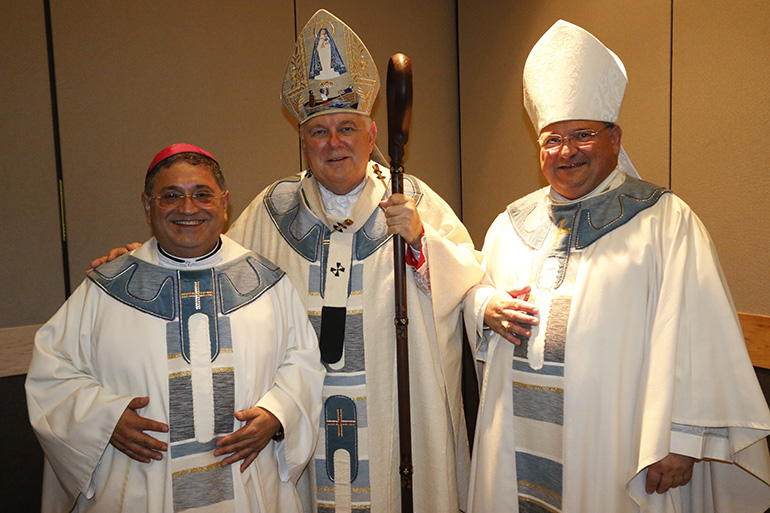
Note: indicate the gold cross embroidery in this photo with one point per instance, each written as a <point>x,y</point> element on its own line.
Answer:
<point>197,294</point>
<point>340,423</point>
<point>559,232</point>
<point>338,227</point>
<point>379,175</point>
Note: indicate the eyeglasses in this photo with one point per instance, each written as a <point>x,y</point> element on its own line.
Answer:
<point>579,138</point>
<point>174,199</point>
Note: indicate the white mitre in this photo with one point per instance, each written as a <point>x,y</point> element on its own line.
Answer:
<point>571,75</point>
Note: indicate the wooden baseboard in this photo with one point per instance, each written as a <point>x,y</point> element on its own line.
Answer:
<point>16,349</point>
<point>756,331</point>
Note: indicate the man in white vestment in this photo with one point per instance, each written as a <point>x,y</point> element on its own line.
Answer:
<point>173,362</point>
<point>616,375</point>
<point>330,228</point>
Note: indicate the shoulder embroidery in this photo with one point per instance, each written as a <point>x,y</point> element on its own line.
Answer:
<point>297,226</point>
<point>532,217</point>
<point>245,280</point>
<point>603,214</point>
<point>146,287</point>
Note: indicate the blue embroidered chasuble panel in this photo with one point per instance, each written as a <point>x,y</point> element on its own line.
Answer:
<point>200,408</point>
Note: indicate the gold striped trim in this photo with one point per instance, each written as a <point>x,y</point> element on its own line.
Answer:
<point>353,312</point>
<point>196,470</point>
<point>215,370</point>
<point>331,489</point>
<point>537,487</point>
<point>537,387</point>
<point>330,505</point>
<point>354,399</point>
<point>353,293</point>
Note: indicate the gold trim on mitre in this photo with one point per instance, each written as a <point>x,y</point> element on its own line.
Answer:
<point>330,70</point>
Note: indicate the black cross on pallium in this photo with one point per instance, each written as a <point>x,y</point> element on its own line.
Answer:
<point>337,270</point>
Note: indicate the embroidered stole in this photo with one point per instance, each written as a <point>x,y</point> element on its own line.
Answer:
<point>201,396</point>
<point>538,375</point>
<point>556,234</point>
<point>335,308</point>
<point>200,362</point>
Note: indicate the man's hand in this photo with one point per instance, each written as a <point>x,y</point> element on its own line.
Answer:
<point>403,219</point>
<point>113,254</point>
<point>129,437</point>
<point>509,316</point>
<point>246,443</point>
<point>672,471</point>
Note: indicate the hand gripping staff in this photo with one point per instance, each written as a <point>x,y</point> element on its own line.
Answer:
<point>399,90</point>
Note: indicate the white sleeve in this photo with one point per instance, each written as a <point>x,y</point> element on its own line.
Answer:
<point>295,398</point>
<point>72,415</point>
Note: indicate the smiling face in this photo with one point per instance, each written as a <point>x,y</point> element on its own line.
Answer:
<point>188,230</point>
<point>337,148</point>
<point>574,172</point>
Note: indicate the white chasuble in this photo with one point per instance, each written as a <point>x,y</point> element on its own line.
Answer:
<point>653,363</point>
<point>201,341</point>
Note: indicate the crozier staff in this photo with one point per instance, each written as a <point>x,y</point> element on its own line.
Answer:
<point>399,115</point>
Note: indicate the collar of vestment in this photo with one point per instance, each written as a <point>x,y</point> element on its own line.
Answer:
<point>585,219</point>
<point>340,205</point>
<point>159,290</point>
<point>296,208</point>
<point>373,192</point>
<point>210,259</point>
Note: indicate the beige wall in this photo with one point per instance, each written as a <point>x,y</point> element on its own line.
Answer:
<point>31,280</point>
<point>719,92</point>
<point>721,104</point>
<point>133,77</point>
